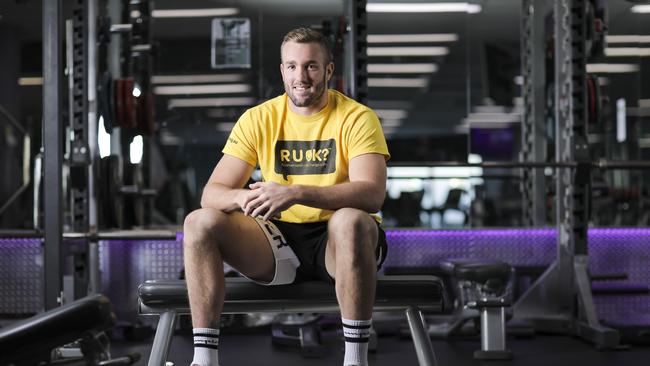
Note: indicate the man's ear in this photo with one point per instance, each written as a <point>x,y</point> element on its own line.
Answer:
<point>329,70</point>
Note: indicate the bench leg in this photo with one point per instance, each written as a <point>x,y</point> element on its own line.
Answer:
<point>163,339</point>
<point>493,335</point>
<point>421,341</point>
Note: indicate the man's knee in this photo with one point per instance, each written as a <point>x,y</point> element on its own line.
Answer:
<point>204,222</point>
<point>353,228</point>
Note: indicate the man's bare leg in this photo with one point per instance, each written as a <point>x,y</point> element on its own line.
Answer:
<point>350,259</point>
<point>210,238</point>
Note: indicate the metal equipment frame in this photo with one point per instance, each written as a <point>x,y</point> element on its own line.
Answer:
<point>550,304</point>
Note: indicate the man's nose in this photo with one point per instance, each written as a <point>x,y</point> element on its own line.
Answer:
<point>302,73</point>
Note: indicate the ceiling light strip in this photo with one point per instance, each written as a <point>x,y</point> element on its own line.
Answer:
<point>407,51</point>
<point>412,38</point>
<point>641,9</point>
<point>402,68</point>
<point>612,68</point>
<point>202,89</point>
<point>619,38</point>
<point>456,7</point>
<point>225,126</point>
<point>391,123</point>
<point>194,13</point>
<point>193,79</point>
<point>210,102</point>
<point>627,52</point>
<point>30,81</point>
<point>397,82</point>
<point>391,114</point>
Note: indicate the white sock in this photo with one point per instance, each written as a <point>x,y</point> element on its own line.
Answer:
<point>206,344</point>
<point>357,334</point>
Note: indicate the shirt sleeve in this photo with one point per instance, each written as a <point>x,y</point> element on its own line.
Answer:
<point>366,136</point>
<point>242,142</point>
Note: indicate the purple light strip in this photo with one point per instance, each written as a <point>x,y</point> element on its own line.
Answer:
<point>595,233</point>
<point>458,234</point>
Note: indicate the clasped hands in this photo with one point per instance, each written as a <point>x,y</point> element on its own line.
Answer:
<point>267,199</point>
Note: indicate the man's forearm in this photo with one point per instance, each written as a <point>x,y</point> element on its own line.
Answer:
<point>221,197</point>
<point>366,196</point>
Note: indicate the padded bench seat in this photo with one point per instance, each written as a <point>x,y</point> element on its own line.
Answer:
<point>168,298</point>
<point>33,339</point>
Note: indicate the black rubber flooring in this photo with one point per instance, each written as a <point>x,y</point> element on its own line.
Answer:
<point>255,349</point>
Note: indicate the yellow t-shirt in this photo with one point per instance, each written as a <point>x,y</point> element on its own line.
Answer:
<point>310,150</point>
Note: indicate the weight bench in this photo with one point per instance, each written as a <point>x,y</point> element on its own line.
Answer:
<point>168,298</point>
<point>32,340</point>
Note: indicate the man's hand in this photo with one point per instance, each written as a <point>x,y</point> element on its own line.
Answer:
<point>268,199</point>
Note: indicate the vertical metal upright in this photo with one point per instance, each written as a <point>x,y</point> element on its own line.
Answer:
<point>53,146</point>
<point>356,62</point>
<point>115,9</point>
<point>79,154</point>
<point>550,303</point>
<point>533,146</point>
<point>93,145</point>
<point>574,185</point>
<point>80,95</point>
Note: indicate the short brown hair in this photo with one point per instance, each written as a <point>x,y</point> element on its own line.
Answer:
<point>309,35</point>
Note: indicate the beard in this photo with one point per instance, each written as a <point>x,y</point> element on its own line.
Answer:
<point>309,99</point>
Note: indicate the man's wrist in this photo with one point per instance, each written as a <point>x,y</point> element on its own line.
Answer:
<point>298,193</point>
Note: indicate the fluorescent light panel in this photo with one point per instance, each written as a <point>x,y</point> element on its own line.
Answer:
<point>225,126</point>
<point>627,39</point>
<point>391,123</point>
<point>397,82</point>
<point>390,104</point>
<point>639,9</point>
<point>202,89</point>
<point>210,102</point>
<point>627,52</point>
<point>621,121</point>
<point>402,68</point>
<point>612,68</point>
<point>391,114</point>
<point>423,8</point>
<point>412,38</point>
<point>136,149</point>
<point>194,13</point>
<point>30,81</point>
<point>193,79</point>
<point>408,51</point>
<point>103,139</point>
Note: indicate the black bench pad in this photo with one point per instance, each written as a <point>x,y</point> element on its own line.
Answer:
<point>243,295</point>
<point>476,270</point>
<point>28,339</point>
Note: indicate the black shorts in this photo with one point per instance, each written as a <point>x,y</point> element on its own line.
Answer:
<point>309,241</point>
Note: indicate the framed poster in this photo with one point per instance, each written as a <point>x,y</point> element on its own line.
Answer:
<point>231,43</point>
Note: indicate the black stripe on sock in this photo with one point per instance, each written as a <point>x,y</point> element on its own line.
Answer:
<point>206,346</point>
<point>356,326</point>
<point>206,335</point>
<point>356,340</point>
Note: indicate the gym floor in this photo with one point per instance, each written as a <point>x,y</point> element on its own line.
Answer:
<point>254,348</point>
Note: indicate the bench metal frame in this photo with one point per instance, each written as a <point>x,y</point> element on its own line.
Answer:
<point>411,294</point>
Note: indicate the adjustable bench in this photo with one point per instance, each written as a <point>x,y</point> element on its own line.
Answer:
<point>168,298</point>
<point>32,340</point>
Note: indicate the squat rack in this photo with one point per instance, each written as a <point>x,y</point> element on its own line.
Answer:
<point>550,303</point>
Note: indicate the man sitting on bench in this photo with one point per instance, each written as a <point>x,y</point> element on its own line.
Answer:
<point>323,162</point>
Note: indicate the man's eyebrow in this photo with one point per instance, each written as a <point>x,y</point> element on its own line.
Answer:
<point>308,62</point>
